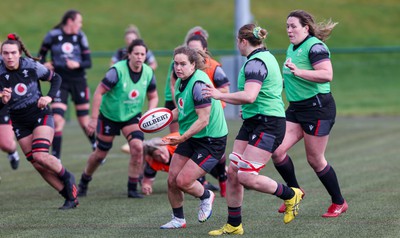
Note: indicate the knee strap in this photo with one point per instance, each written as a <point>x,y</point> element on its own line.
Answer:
<point>235,158</point>
<point>81,113</point>
<point>58,111</point>
<point>103,145</point>
<point>29,157</point>
<point>135,135</point>
<point>250,166</point>
<point>40,145</point>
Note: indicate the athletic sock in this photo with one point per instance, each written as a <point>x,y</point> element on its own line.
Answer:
<point>205,195</point>
<point>132,183</point>
<point>330,181</point>
<point>234,216</point>
<point>85,179</point>
<point>56,146</point>
<point>64,193</point>
<point>64,174</point>
<point>178,212</point>
<point>286,170</point>
<point>284,192</point>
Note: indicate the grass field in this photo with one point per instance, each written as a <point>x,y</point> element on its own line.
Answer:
<point>363,150</point>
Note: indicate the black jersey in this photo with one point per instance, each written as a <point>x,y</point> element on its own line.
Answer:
<point>64,46</point>
<point>25,85</point>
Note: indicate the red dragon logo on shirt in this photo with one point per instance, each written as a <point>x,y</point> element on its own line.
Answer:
<point>20,89</point>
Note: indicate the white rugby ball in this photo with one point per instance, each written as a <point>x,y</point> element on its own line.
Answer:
<point>155,120</point>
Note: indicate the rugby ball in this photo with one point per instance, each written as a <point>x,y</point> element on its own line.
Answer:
<point>155,120</point>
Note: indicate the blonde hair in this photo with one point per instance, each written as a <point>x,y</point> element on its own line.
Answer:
<point>132,29</point>
<point>197,30</point>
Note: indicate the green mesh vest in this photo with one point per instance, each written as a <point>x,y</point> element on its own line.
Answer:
<point>296,88</point>
<point>269,100</point>
<point>126,98</point>
<point>216,127</point>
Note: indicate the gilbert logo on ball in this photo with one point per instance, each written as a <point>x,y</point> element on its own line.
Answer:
<point>155,120</point>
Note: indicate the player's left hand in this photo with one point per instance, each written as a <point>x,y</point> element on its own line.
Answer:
<point>6,95</point>
<point>44,101</point>
<point>72,64</point>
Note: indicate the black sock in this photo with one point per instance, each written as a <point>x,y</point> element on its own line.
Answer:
<point>234,216</point>
<point>330,181</point>
<point>286,170</point>
<point>205,195</point>
<point>132,184</point>
<point>178,212</point>
<point>56,146</point>
<point>284,192</point>
<point>85,179</point>
<point>64,193</point>
<point>64,174</point>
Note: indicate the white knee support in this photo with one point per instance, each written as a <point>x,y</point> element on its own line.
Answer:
<point>250,166</point>
<point>235,158</point>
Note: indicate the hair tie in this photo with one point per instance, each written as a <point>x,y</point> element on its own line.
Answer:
<point>256,30</point>
<point>11,36</point>
<point>197,33</point>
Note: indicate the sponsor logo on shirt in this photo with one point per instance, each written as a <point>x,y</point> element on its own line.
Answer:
<point>20,89</point>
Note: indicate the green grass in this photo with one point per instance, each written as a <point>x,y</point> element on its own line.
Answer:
<point>362,150</point>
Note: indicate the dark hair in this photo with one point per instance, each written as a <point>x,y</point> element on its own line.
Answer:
<point>136,43</point>
<point>13,39</point>
<point>253,34</point>
<point>194,56</point>
<point>321,30</point>
<point>70,14</point>
<point>198,38</point>
<point>202,40</point>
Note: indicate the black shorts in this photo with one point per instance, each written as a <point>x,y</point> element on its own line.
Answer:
<point>24,125</point>
<point>4,116</point>
<point>170,105</point>
<point>316,115</point>
<point>205,152</point>
<point>80,93</point>
<point>264,132</point>
<point>108,127</point>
